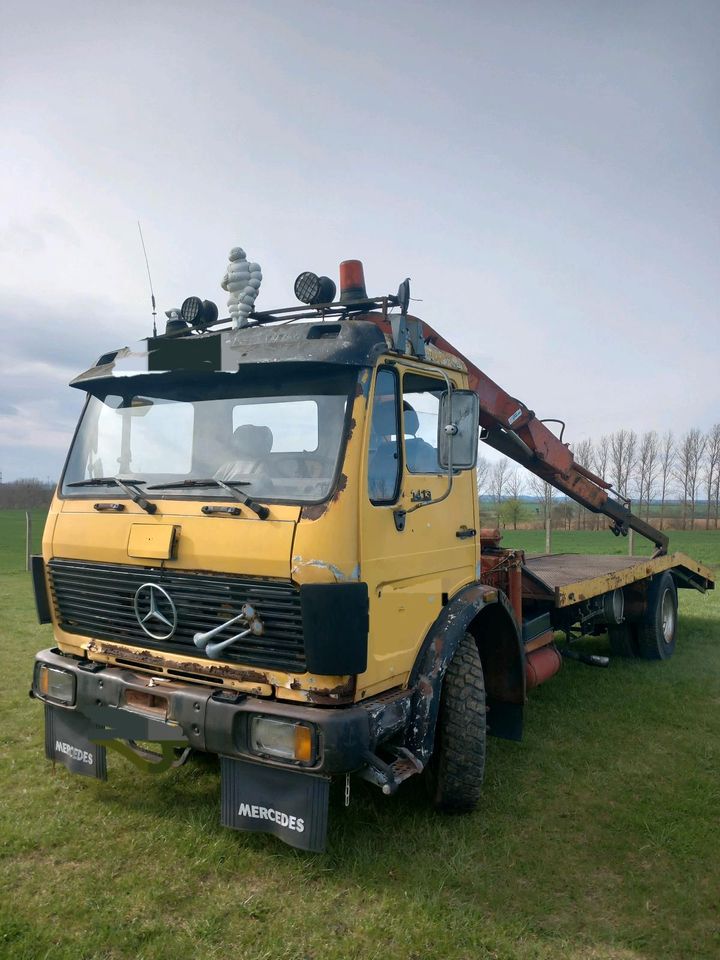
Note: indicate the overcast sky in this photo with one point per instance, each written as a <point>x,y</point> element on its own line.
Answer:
<point>546,173</point>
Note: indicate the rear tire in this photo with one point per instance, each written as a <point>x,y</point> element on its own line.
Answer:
<point>657,632</point>
<point>457,768</point>
<point>623,639</point>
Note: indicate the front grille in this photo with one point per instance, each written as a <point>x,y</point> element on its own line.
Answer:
<point>96,600</point>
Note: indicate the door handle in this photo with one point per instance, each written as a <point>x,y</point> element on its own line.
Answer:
<point>464,533</point>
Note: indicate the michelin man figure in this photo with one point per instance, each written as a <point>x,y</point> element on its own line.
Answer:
<point>242,281</point>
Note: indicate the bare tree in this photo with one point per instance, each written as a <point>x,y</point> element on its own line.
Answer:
<point>687,471</point>
<point>712,469</point>
<point>602,457</point>
<point>584,454</point>
<point>646,468</point>
<point>666,470</point>
<point>513,505</point>
<point>498,480</point>
<point>653,469</point>
<point>482,470</point>
<point>600,465</point>
<point>544,491</point>
<point>623,453</point>
<point>699,443</point>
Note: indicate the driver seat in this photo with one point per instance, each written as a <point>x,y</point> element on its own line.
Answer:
<point>251,445</point>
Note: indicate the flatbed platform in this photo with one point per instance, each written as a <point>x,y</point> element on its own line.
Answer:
<point>570,578</point>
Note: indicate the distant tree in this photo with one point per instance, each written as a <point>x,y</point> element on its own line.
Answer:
<point>699,444</point>
<point>512,508</point>
<point>646,468</point>
<point>584,454</point>
<point>602,457</point>
<point>28,493</point>
<point>498,480</point>
<point>687,471</point>
<point>623,454</point>
<point>562,513</point>
<point>666,459</point>
<point>544,492</point>
<point>712,470</point>
<point>600,465</point>
<point>482,469</point>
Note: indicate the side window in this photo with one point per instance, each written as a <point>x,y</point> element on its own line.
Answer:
<point>421,408</point>
<point>384,454</point>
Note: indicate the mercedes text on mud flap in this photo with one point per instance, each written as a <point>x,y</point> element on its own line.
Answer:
<point>267,545</point>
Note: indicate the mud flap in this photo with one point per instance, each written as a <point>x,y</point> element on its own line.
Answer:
<point>292,806</point>
<point>68,741</point>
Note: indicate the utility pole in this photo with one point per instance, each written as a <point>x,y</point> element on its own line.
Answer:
<point>28,539</point>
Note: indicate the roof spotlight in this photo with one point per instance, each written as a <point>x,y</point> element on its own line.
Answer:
<point>311,289</point>
<point>209,313</point>
<point>191,310</point>
<point>199,313</point>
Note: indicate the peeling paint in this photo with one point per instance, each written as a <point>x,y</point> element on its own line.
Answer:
<point>340,577</point>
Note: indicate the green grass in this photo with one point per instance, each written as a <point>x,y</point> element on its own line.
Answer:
<point>597,838</point>
<point>701,545</point>
<point>12,538</point>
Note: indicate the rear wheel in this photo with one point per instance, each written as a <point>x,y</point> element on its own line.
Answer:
<point>623,639</point>
<point>657,632</point>
<point>457,767</point>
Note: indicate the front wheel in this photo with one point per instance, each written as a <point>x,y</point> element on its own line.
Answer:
<point>658,631</point>
<point>457,768</point>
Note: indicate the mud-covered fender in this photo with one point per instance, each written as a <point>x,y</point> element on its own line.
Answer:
<point>486,613</point>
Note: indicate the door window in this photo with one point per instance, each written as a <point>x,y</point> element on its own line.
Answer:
<point>421,407</point>
<point>384,460</point>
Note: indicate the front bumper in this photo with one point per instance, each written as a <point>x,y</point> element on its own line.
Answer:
<point>217,721</point>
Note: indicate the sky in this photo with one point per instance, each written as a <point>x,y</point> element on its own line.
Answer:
<point>545,173</point>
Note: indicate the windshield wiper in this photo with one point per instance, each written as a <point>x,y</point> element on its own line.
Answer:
<point>125,486</point>
<point>229,485</point>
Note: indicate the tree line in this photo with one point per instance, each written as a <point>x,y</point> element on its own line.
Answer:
<point>667,479</point>
<point>27,494</point>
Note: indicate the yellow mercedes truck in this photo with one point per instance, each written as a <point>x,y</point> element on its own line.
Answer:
<point>266,545</point>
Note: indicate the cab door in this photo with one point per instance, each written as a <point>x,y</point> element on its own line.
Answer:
<point>412,563</point>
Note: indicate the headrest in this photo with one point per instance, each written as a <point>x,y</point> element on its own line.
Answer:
<point>384,421</point>
<point>410,419</point>
<point>251,441</point>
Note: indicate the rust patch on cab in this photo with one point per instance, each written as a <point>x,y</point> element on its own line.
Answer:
<point>315,510</point>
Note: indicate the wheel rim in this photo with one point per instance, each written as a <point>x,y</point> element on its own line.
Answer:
<point>668,617</point>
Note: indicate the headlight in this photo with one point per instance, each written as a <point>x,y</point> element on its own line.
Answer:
<point>54,684</point>
<point>283,739</point>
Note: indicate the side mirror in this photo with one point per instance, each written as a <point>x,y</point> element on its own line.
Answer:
<point>458,429</point>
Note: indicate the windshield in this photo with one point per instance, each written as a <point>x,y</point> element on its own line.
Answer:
<point>274,435</point>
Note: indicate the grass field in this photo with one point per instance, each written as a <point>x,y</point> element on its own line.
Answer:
<point>598,836</point>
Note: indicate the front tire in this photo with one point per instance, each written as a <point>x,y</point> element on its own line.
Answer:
<point>457,768</point>
<point>657,633</point>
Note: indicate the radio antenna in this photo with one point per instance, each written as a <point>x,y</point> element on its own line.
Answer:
<point>152,292</point>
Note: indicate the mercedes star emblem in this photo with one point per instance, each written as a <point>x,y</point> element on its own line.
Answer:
<point>155,611</point>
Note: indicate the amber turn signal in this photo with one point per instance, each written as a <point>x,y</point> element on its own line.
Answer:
<point>303,744</point>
